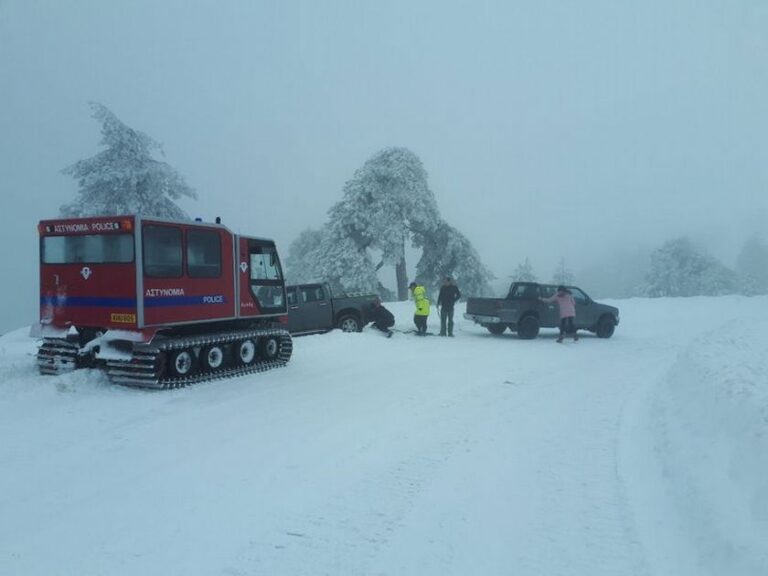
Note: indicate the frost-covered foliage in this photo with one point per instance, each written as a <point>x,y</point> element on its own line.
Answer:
<point>385,205</point>
<point>386,202</point>
<point>524,272</point>
<point>679,269</point>
<point>752,266</point>
<point>447,252</point>
<point>345,264</point>
<point>124,178</point>
<point>562,274</point>
<point>304,254</point>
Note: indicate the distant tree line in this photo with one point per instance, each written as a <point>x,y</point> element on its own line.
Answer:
<point>676,268</point>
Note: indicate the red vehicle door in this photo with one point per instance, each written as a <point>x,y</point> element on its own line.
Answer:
<point>261,285</point>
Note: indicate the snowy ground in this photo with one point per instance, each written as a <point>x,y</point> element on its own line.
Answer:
<point>482,455</point>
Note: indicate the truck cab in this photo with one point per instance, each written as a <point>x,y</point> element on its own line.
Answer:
<point>313,308</point>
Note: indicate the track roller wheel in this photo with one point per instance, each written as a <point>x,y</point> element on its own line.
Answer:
<point>212,357</point>
<point>269,347</point>
<point>182,362</point>
<point>245,352</point>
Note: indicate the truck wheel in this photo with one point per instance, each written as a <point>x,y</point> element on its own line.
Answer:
<point>182,362</point>
<point>528,328</point>
<point>269,348</point>
<point>349,323</point>
<point>212,357</point>
<point>605,327</point>
<point>496,328</point>
<point>245,352</point>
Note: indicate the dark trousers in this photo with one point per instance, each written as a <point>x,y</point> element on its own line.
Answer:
<point>446,319</point>
<point>383,326</point>
<point>421,323</point>
<point>566,326</point>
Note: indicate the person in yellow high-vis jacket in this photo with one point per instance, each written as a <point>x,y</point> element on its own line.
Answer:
<point>422,307</point>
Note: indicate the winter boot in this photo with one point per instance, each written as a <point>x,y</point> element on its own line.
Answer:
<point>559,340</point>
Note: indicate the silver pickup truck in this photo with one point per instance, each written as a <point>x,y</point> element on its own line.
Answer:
<point>522,311</point>
<point>314,308</point>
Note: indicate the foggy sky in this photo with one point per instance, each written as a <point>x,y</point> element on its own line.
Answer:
<point>570,129</point>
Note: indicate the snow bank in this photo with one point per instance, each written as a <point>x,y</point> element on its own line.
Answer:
<point>713,442</point>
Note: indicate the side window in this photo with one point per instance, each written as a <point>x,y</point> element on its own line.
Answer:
<point>203,254</point>
<point>291,296</point>
<point>547,291</point>
<point>308,294</point>
<point>579,296</point>
<point>530,292</point>
<point>162,251</point>
<point>524,291</point>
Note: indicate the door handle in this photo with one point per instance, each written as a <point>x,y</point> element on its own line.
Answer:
<point>293,307</point>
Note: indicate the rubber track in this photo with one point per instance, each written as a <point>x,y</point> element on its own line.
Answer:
<point>145,370</point>
<point>145,367</point>
<point>56,356</point>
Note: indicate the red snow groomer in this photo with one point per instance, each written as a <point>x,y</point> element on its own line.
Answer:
<point>159,304</point>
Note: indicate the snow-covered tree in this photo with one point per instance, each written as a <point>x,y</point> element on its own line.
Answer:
<point>345,264</point>
<point>447,252</point>
<point>124,178</point>
<point>562,275</point>
<point>752,266</point>
<point>679,269</point>
<point>387,203</point>
<point>524,272</point>
<point>302,264</point>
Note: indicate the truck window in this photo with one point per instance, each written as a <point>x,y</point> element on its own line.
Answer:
<point>87,249</point>
<point>313,294</point>
<point>524,291</point>
<point>291,296</point>
<point>578,295</point>
<point>203,254</point>
<point>162,251</point>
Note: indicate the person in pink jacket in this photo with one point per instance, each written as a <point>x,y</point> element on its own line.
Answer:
<point>567,307</point>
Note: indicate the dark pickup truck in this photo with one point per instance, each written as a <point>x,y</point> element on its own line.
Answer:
<point>522,311</point>
<point>313,308</point>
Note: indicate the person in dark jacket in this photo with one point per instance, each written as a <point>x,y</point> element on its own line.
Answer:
<point>449,295</point>
<point>381,318</point>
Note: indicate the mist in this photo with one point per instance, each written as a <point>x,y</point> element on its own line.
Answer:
<point>585,131</point>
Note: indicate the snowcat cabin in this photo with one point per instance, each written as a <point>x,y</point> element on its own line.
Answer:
<point>88,273</point>
<point>159,304</point>
<point>261,287</point>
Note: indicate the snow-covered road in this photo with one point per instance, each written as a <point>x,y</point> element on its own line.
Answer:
<point>429,456</point>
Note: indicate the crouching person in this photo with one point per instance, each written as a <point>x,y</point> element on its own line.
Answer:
<point>381,318</point>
